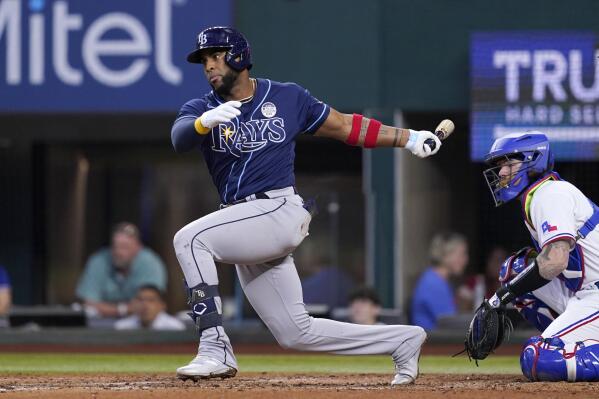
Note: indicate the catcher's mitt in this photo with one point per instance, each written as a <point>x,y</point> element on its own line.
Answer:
<point>489,327</point>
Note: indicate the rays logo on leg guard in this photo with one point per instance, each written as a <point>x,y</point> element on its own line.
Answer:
<point>204,310</point>
<point>200,308</point>
<point>547,359</point>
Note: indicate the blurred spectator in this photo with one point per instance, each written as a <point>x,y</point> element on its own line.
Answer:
<point>492,266</point>
<point>364,306</point>
<point>112,276</point>
<point>433,295</point>
<point>481,286</point>
<point>149,312</point>
<point>5,292</point>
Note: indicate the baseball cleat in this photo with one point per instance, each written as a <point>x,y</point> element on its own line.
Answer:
<point>408,372</point>
<point>204,367</point>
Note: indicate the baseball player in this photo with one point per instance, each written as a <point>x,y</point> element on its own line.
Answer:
<point>246,130</point>
<point>558,289</point>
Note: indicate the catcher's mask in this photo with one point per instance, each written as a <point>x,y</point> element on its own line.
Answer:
<point>531,150</point>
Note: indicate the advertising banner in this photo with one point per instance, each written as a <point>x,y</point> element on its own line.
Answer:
<point>102,56</point>
<point>538,80</point>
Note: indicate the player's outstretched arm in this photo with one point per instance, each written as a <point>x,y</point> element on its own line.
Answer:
<point>358,130</point>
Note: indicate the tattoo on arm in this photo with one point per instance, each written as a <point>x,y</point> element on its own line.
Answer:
<point>397,136</point>
<point>553,259</point>
<point>363,130</point>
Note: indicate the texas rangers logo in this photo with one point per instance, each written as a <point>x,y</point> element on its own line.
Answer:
<point>547,227</point>
<point>247,136</point>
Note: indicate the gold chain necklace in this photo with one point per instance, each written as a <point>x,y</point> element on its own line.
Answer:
<point>248,99</point>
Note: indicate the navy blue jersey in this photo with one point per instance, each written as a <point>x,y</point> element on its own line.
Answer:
<point>255,151</point>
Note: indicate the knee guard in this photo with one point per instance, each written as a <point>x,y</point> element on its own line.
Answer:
<point>204,310</point>
<point>546,359</point>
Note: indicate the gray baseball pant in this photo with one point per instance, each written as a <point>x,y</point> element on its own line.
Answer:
<point>258,236</point>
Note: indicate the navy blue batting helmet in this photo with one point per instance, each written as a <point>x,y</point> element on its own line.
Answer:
<point>238,54</point>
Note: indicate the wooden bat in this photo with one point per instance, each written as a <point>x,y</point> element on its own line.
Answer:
<point>443,130</point>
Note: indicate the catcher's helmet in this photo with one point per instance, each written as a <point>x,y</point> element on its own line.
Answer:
<point>532,149</point>
<point>238,55</point>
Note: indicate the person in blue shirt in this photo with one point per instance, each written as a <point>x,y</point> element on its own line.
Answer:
<point>433,296</point>
<point>5,292</point>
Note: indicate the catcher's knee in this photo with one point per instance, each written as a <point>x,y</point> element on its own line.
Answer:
<point>548,359</point>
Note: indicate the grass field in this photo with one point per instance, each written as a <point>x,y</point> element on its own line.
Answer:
<point>157,363</point>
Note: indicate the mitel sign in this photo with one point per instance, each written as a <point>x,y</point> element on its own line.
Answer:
<point>101,55</point>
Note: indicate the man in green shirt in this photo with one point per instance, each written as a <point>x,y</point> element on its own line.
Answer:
<point>112,276</point>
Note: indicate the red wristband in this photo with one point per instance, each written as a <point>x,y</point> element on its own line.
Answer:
<point>372,133</point>
<point>356,125</point>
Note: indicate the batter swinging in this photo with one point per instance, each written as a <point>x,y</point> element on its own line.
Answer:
<point>245,129</point>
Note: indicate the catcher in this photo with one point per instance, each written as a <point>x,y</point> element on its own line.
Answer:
<point>555,284</point>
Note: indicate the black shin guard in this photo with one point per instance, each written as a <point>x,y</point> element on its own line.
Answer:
<point>204,310</point>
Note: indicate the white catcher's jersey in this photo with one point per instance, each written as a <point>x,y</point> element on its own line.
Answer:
<point>557,209</point>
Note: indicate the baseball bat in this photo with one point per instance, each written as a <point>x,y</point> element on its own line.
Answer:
<point>443,130</point>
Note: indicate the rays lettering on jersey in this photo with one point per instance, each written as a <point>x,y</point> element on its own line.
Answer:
<point>247,136</point>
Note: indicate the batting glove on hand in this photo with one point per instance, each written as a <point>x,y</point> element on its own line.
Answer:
<point>221,114</point>
<point>417,146</point>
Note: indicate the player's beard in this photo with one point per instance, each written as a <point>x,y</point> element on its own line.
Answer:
<point>228,82</point>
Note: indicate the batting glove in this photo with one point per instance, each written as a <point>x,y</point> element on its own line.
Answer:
<point>221,114</point>
<point>417,146</point>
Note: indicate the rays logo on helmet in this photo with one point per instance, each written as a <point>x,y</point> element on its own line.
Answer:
<point>202,39</point>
